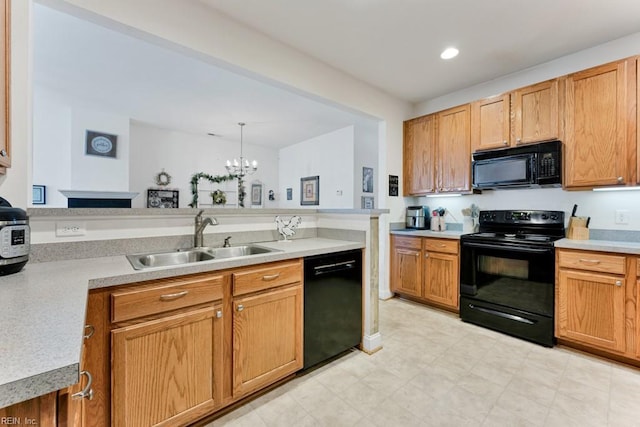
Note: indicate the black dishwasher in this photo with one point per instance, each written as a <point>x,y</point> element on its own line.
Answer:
<point>332,305</point>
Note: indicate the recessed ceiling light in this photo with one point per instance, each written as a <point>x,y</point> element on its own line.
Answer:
<point>448,53</point>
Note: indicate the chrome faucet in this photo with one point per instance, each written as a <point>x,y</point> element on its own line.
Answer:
<point>200,226</point>
<point>226,243</point>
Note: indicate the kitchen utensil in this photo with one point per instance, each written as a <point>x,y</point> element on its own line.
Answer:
<point>575,208</point>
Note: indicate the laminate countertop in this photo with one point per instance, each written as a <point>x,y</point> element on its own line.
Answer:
<point>447,234</point>
<point>615,246</point>
<point>43,307</point>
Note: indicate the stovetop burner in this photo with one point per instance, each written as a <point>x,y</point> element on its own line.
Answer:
<point>525,227</point>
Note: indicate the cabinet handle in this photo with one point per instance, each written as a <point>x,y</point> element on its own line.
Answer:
<point>270,277</point>
<point>426,255</point>
<point>240,307</point>
<point>589,261</point>
<point>518,141</point>
<point>91,330</point>
<point>442,245</point>
<point>505,142</point>
<point>618,283</point>
<point>171,297</point>
<point>87,391</point>
<point>219,314</point>
<point>620,179</point>
<point>3,153</point>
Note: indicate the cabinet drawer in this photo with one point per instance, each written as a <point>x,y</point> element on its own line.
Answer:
<point>258,279</point>
<point>407,242</point>
<point>441,245</point>
<point>592,261</point>
<point>145,300</point>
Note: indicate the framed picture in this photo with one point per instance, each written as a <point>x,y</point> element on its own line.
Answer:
<point>39,195</point>
<point>101,144</point>
<point>367,202</point>
<point>367,180</point>
<point>310,190</point>
<point>256,194</point>
<point>162,198</point>
<point>393,185</point>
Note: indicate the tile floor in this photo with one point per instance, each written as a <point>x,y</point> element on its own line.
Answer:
<point>435,370</point>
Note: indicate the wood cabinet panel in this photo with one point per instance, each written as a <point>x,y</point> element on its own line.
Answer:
<point>535,113</point>
<point>167,371</point>
<point>39,411</point>
<point>441,245</point>
<point>145,300</point>
<point>270,276</point>
<point>590,308</point>
<point>419,155</point>
<point>490,120</point>
<point>600,126</point>
<point>441,278</point>
<point>5,87</point>
<point>267,338</point>
<point>592,261</point>
<point>453,170</point>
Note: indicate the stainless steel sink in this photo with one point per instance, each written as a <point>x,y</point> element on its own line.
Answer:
<point>193,255</point>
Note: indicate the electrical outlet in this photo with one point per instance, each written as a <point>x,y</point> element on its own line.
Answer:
<point>70,228</point>
<point>623,216</point>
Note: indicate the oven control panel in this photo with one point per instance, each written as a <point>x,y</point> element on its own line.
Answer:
<point>521,217</point>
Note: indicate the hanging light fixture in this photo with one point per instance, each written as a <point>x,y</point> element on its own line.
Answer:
<point>242,167</point>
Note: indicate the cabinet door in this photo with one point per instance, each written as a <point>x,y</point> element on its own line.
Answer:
<point>267,338</point>
<point>590,309</point>
<point>490,120</point>
<point>5,116</point>
<point>441,278</point>
<point>167,371</point>
<point>454,150</point>
<point>419,144</point>
<point>599,135</point>
<point>406,271</point>
<point>40,411</point>
<point>535,110</point>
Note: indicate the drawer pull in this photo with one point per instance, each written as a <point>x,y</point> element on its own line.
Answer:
<point>618,283</point>
<point>219,314</point>
<point>589,261</point>
<point>87,392</point>
<point>91,330</point>
<point>240,307</point>
<point>171,297</point>
<point>270,277</point>
<point>442,245</point>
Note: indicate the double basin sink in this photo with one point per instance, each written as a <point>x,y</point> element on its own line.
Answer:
<point>193,255</point>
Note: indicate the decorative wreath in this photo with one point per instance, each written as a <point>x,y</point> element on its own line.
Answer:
<point>216,179</point>
<point>219,197</point>
<point>163,179</point>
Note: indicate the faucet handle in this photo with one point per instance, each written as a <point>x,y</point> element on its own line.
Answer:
<point>226,242</point>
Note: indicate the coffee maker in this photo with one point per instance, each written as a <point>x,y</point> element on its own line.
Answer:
<point>418,217</point>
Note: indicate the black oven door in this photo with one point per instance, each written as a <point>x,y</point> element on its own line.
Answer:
<point>500,172</point>
<point>509,287</point>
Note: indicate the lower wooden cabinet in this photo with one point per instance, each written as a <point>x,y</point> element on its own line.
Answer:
<point>267,338</point>
<point>40,411</point>
<point>426,269</point>
<point>167,371</point>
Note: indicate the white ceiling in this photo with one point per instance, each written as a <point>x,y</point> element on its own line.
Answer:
<point>113,72</point>
<point>395,44</point>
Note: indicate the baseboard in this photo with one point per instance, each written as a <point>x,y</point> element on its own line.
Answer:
<point>372,343</point>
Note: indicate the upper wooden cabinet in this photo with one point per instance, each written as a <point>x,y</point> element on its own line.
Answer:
<point>600,136</point>
<point>524,116</point>
<point>5,119</point>
<point>490,123</point>
<point>453,150</point>
<point>419,158</point>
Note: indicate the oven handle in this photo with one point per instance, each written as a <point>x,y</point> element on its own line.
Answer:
<point>501,314</point>
<point>507,247</point>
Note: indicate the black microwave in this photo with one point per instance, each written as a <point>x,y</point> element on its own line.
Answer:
<point>525,166</point>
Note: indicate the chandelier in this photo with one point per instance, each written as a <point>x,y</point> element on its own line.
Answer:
<point>242,167</point>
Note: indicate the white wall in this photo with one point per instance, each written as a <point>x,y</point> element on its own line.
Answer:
<point>331,157</point>
<point>365,155</point>
<point>182,154</point>
<point>51,145</point>
<point>59,159</point>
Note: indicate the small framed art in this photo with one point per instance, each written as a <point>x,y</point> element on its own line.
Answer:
<point>39,195</point>
<point>310,190</point>
<point>256,194</point>
<point>367,202</point>
<point>101,144</point>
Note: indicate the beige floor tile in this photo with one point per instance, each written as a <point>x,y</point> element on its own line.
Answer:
<point>413,399</point>
<point>500,417</point>
<point>523,407</point>
<point>480,386</point>
<point>577,412</point>
<point>391,413</point>
<point>281,411</point>
<point>531,389</point>
<point>335,412</point>
<point>364,398</point>
<point>433,384</point>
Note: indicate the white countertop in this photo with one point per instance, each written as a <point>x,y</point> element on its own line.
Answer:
<point>447,234</point>
<point>42,311</point>
<point>600,245</point>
